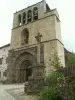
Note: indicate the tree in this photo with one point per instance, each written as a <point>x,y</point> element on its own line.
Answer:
<point>70,59</point>
<point>54,60</point>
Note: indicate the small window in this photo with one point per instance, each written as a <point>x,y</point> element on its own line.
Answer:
<point>47,8</point>
<point>1,59</point>
<point>35,13</point>
<point>0,74</point>
<point>6,60</point>
<point>19,19</point>
<point>29,16</point>
<point>5,73</point>
<point>24,18</point>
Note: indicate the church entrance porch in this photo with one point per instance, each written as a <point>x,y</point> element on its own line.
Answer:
<point>23,67</point>
<point>22,63</point>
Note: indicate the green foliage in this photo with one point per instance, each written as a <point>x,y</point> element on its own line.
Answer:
<point>50,94</point>
<point>53,92</point>
<point>73,87</point>
<point>55,62</point>
<point>70,60</point>
<point>69,91</point>
<point>52,79</point>
<point>56,75</point>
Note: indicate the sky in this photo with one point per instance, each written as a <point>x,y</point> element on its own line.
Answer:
<point>65,8</point>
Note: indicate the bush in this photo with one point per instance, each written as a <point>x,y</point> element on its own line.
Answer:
<point>56,75</point>
<point>52,79</point>
<point>50,94</point>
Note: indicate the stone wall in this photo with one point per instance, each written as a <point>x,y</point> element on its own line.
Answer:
<point>3,61</point>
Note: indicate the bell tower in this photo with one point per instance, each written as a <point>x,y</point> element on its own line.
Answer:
<point>35,34</point>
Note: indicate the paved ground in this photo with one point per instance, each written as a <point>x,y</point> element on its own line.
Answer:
<point>12,92</point>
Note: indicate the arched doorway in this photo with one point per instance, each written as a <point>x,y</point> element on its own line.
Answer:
<point>25,71</point>
<point>23,67</point>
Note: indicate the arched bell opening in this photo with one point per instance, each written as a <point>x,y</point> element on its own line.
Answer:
<point>35,13</point>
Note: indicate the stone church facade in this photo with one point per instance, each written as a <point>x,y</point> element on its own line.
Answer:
<point>35,35</point>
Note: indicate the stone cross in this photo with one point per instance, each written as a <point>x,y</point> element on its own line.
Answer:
<point>38,37</point>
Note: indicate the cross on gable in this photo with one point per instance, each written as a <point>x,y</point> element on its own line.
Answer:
<point>38,37</point>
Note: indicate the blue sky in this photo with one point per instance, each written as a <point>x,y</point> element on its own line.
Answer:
<point>66,10</point>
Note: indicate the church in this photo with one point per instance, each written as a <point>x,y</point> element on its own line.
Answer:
<point>35,35</point>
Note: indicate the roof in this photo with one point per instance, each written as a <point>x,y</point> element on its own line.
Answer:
<point>5,46</point>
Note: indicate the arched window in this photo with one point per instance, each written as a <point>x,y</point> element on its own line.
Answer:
<point>5,73</point>
<point>19,19</point>
<point>35,13</point>
<point>47,8</point>
<point>24,36</point>
<point>29,16</point>
<point>24,18</point>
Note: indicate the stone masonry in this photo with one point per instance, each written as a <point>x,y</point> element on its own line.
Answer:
<point>35,33</point>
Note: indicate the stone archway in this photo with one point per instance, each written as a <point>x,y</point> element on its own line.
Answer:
<point>25,71</point>
<point>23,67</point>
